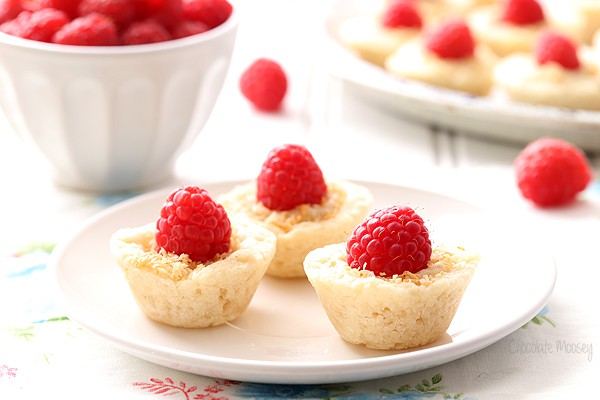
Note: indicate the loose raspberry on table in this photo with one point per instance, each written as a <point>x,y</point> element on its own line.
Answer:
<point>192,223</point>
<point>120,11</point>
<point>211,12</point>
<point>147,31</point>
<point>401,13</point>
<point>264,84</point>
<point>90,30</point>
<point>290,177</point>
<point>551,172</point>
<point>451,40</point>
<point>556,48</point>
<point>389,242</point>
<point>522,12</point>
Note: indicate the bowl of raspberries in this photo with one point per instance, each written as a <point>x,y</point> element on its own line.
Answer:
<point>111,92</point>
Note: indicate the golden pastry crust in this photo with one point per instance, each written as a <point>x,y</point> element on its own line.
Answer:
<point>176,291</point>
<point>396,313</point>
<point>370,40</point>
<point>470,75</point>
<point>524,80</point>
<point>305,227</point>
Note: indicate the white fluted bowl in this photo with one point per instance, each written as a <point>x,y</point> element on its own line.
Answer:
<point>113,118</point>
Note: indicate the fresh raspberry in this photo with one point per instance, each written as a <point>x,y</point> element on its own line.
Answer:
<point>15,26</point>
<point>551,172</point>
<point>90,30</point>
<point>68,6</point>
<point>147,31</point>
<point>389,242</point>
<point>401,13</point>
<point>212,12</point>
<point>168,12</point>
<point>43,24</point>
<point>264,84</point>
<point>522,12</point>
<point>120,11</point>
<point>188,28</point>
<point>451,40</point>
<point>290,177</point>
<point>9,9</point>
<point>554,47</point>
<point>192,223</point>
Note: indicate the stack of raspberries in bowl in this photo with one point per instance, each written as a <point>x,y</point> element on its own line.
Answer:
<point>110,22</point>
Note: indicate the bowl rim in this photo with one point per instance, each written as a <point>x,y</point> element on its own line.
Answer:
<point>221,30</point>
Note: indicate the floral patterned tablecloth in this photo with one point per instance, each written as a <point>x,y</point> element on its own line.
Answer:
<point>45,355</point>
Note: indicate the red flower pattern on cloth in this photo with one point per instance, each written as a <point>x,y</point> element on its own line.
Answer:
<point>168,387</point>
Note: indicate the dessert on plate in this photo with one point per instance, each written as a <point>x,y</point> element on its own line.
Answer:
<point>509,26</point>
<point>556,74</point>
<point>446,56</point>
<point>385,287</point>
<point>292,199</point>
<point>374,37</point>
<point>195,267</point>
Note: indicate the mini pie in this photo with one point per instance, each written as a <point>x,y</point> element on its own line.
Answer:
<point>373,42</point>
<point>174,290</point>
<point>399,312</point>
<point>471,75</point>
<point>502,37</point>
<point>304,227</point>
<point>524,80</point>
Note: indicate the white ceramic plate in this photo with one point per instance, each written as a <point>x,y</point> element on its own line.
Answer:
<point>285,336</point>
<point>485,116</point>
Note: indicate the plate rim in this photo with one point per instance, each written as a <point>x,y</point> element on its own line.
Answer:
<point>288,372</point>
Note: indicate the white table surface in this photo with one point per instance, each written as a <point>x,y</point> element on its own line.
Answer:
<point>351,138</point>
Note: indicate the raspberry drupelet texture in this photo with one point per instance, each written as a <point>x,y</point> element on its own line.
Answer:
<point>210,12</point>
<point>192,223</point>
<point>147,31</point>
<point>264,84</point>
<point>556,48</point>
<point>90,30</point>
<point>522,12</point>
<point>451,40</point>
<point>551,172</point>
<point>401,13</point>
<point>389,242</point>
<point>290,177</point>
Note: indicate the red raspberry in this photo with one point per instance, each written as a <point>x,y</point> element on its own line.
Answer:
<point>147,31</point>
<point>120,11</point>
<point>9,9</point>
<point>90,30</point>
<point>551,172</point>
<point>451,40</point>
<point>289,177</point>
<point>15,26</point>
<point>554,47</point>
<point>43,24</point>
<point>168,12</point>
<point>264,84</point>
<point>68,6</point>
<point>389,242</point>
<point>189,28</point>
<point>522,12</point>
<point>192,223</point>
<point>401,13</point>
<point>211,12</point>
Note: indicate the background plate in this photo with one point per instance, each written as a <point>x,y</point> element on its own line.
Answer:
<point>485,116</point>
<point>285,336</point>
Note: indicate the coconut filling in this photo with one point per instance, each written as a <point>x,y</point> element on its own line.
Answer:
<point>174,290</point>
